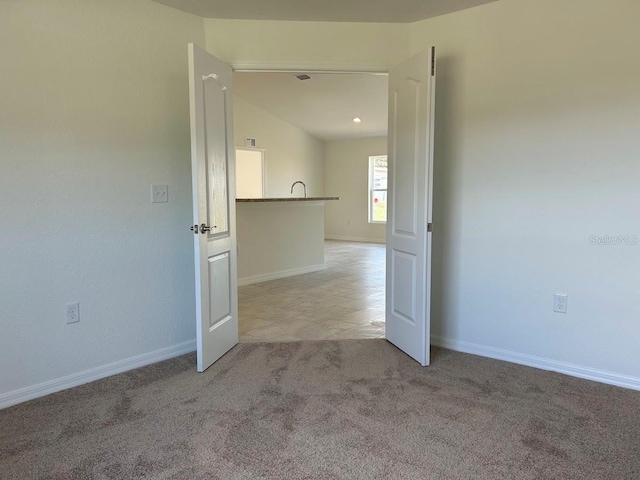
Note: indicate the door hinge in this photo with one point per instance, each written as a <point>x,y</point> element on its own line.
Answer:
<point>433,61</point>
<point>429,227</point>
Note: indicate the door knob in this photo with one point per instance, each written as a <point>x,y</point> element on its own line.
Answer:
<point>205,229</point>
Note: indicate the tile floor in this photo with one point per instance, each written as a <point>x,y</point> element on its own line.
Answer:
<point>344,301</point>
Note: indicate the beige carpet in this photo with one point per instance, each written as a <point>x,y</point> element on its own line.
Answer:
<point>351,409</point>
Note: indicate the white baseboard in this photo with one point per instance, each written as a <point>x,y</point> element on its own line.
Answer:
<point>355,239</point>
<point>601,376</point>
<point>265,277</point>
<point>97,373</point>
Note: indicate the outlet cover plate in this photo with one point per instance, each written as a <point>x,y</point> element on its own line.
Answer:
<point>560,303</point>
<point>73,312</point>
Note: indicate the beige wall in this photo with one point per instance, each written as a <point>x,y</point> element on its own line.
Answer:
<point>537,113</point>
<point>95,109</point>
<point>312,45</point>
<point>291,153</point>
<point>346,170</point>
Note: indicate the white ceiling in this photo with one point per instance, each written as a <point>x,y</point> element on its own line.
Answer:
<point>325,105</point>
<point>392,11</point>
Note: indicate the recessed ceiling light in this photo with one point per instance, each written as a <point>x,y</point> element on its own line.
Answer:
<point>356,120</point>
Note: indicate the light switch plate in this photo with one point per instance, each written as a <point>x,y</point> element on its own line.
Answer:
<point>159,193</point>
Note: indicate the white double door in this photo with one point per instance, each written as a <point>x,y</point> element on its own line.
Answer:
<point>409,207</point>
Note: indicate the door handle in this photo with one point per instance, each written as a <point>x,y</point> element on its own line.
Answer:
<point>204,228</point>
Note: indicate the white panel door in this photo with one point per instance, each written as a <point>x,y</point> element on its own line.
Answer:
<point>214,217</point>
<point>411,111</point>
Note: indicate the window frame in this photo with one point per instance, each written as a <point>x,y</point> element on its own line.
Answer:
<point>372,190</point>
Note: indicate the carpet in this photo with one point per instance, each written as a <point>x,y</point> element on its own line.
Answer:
<point>355,409</point>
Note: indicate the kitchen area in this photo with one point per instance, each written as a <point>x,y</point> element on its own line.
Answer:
<point>293,283</point>
<point>280,223</point>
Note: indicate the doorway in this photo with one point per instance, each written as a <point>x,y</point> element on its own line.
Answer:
<point>409,227</point>
<point>346,300</point>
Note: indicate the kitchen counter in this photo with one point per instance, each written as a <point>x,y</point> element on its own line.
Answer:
<point>286,199</point>
<point>279,237</point>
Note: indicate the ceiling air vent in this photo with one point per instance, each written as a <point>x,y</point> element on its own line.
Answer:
<point>304,76</point>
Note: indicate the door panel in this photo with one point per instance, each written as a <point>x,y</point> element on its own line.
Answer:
<point>219,288</point>
<point>403,298</point>
<point>215,100</point>
<point>406,99</point>
<point>214,227</point>
<point>411,110</point>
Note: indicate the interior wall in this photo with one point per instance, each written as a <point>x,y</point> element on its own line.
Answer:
<point>537,112</point>
<point>291,153</point>
<point>95,109</point>
<point>346,175</point>
<point>314,45</point>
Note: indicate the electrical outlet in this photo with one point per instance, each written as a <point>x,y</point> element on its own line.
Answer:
<point>159,193</point>
<point>73,312</point>
<point>560,303</point>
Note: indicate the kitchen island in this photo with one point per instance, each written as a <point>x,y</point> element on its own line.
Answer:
<point>279,237</point>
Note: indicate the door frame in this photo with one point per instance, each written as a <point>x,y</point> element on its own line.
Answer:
<point>337,68</point>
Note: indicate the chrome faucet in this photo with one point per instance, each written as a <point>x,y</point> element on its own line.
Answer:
<point>305,188</point>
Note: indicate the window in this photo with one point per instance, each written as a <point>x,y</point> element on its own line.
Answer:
<point>378,189</point>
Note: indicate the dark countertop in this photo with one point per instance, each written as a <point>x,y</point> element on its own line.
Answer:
<point>286,199</point>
